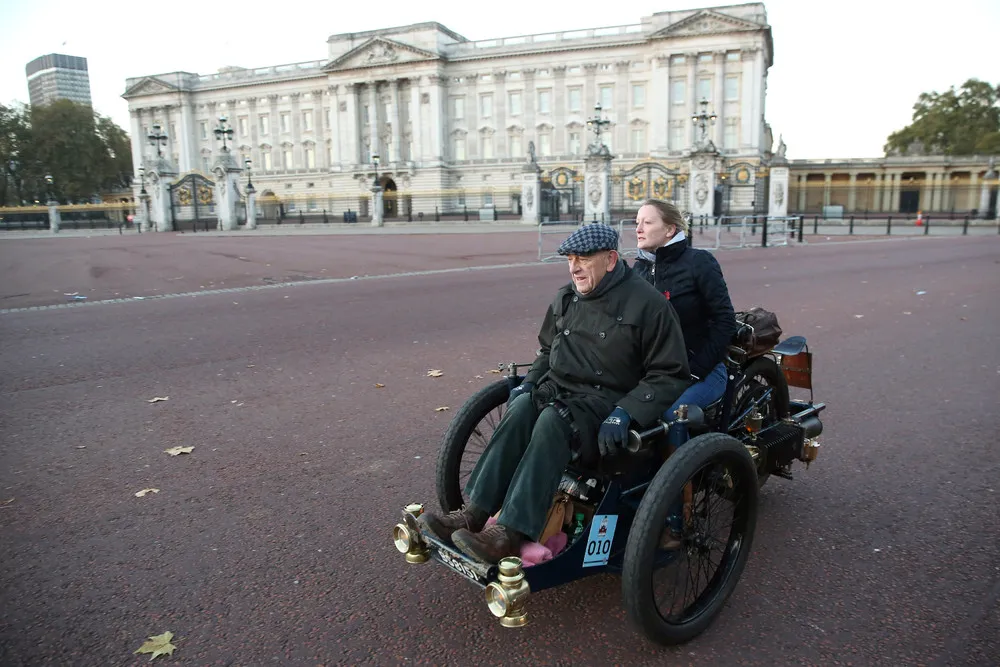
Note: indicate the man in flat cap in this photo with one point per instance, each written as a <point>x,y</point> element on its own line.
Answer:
<point>612,355</point>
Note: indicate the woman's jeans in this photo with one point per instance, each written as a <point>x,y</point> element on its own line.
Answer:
<point>702,394</point>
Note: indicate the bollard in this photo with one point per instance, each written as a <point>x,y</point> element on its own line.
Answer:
<point>302,218</point>
<point>888,226</point>
<point>965,226</point>
<point>465,212</point>
<point>850,231</point>
<point>437,216</point>
<point>815,224</point>
<point>763,234</point>
<point>801,220</point>
<point>927,225</point>
<point>325,219</point>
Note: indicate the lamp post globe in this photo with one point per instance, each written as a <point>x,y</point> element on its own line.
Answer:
<point>375,161</point>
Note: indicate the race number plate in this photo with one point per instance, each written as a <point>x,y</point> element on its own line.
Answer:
<point>458,566</point>
<point>602,534</point>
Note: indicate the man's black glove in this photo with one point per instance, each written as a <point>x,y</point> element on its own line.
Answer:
<point>523,388</point>
<point>613,435</point>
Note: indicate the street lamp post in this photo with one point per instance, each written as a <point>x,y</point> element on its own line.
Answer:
<point>224,132</point>
<point>597,125</point>
<point>158,138</point>
<point>375,161</point>
<point>143,199</point>
<point>247,164</point>
<point>702,121</point>
<point>13,167</point>
<point>49,188</point>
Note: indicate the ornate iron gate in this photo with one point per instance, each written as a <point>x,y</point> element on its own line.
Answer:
<point>744,190</point>
<point>562,194</point>
<point>649,180</point>
<point>192,203</point>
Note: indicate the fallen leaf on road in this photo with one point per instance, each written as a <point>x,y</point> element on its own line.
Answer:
<point>157,399</point>
<point>479,377</point>
<point>494,370</point>
<point>158,645</point>
<point>175,451</point>
<point>442,408</point>
<point>906,312</point>
<point>379,385</point>
<point>81,446</point>
<point>249,365</point>
<point>6,502</point>
<point>859,316</point>
<point>140,494</point>
<point>435,374</point>
<point>963,318</point>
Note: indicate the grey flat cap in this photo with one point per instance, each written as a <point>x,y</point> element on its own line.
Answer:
<point>590,239</point>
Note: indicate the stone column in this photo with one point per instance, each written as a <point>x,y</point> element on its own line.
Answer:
<point>623,95</point>
<point>590,94</point>
<point>336,155</point>
<point>989,182</point>
<point>531,193</point>
<point>702,184</point>
<point>826,188</point>
<point>374,137</point>
<point>597,183</point>
<point>500,112</point>
<point>54,218</point>
<point>298,158</point>
<point>747,57</point>
<point>529,100</point>
<point>394,120</point>
<point>226,172</point>
<point>319,130</point>
<point>138,141</point>
<point>143,219</point>
<point>659,101</point>
<point>251,197</point>
<point>160,177</point>
<point>559,113</point>
<point>719,103</point>
<point>691,60</point>
<point>254,138</point>
<point>187,138</point>
<point>437,119</point>
<point>852,194</point>
<point>416,122</point>
<point>803,184</point>
<point>352,150</point>
<point>378,211</point>
<point>777,199</point>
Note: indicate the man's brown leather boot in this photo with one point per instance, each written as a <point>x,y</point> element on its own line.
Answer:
<point>490,545</point>
<point>469,517</point>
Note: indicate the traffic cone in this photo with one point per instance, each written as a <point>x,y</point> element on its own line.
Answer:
<point>920,218</point>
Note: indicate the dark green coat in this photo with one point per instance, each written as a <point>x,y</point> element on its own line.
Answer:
<point>621,348</point>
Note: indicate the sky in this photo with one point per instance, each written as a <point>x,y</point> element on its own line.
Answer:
<point>846,74</point>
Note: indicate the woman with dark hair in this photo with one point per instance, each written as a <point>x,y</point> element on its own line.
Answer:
<point>691,279</point>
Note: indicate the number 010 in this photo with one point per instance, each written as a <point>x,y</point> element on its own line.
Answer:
<point>599,547</point>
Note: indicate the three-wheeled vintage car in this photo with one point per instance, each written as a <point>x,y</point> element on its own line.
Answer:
<point>729,450</point>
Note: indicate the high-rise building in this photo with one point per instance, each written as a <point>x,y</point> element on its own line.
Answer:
<point>58,77</point>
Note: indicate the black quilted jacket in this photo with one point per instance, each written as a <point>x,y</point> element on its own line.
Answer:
<point>692,279</point>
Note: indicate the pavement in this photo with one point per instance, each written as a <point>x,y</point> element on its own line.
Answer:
<point>270,542</point>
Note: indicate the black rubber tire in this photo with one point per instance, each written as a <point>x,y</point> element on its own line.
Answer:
<point>463,425</point>
<point>768,370</point>
<point>642,548</point>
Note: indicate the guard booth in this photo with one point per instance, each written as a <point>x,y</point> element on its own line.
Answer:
<point>192,204</point>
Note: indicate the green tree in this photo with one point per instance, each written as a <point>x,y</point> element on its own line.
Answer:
<point>962,122</point>
<point>85,153</point>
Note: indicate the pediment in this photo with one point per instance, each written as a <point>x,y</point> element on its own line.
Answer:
<point>149,86</point>
<point>379,52</point>
<point>706,22</point>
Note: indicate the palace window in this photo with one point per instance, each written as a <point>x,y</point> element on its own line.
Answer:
<point>486,147</point>
<point>266,155</point>
<point>678,91</point>
<point>545,101</point>
<point>285,124</point>
<point>638,95</point>
<point>515,103</point>
<point>265,125</point>
<point>307,120</point>
<point>705,58</point>
<point>732,87</point>
<point>486,105</point>
<point>545,144</point>
<point>459,147</point>
<point>310,157</point>
<point>286,158</point>
<point>204,129</point>
<point>607,97</point>
<point>732,55</point>
<point>574,143</point>
<point>458,108</point>
<point>677,136</point>
<point>730,136</point>
<point>575,99</point>
<point>243,126</point>
<point>638,140</point>
<point>704,89</point>
<point>516,146</point>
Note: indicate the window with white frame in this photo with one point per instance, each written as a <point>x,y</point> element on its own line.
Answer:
<point>545,144</point>
<point>545,101</point>
<point>732,87</point>
<point>286,124</point>
<point>732,55</point>
<point>638,140</point>
<point>204,129</point>
<point>286,158</point>
<point>704,89</point>
<point>329,153</point>
<point>705,58</point>
<point>486,105</point>
<point>243,124</point>
<point>678,91</point>
<point>204,163</point>
<point>310,157</point>
<point>677,136</point>
<point>575,99</point>
<point>365,120</point>
<point>574,143</point>
<point>458,108</point>
<point>638,95</point>
<point>458,146</point>
<point>265,125</point>
<point>487,199</point>
<point>486,146</point>
<point>266,156</point>
<point>515,103</point>
<point>607,96</point>
<point>730,136</point>
<point>326,119</point>
<point>516,146</point>
<point>307,120</point>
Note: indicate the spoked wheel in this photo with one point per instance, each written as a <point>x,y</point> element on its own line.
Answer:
<point>673,594</point>
<point>765,388</point>
<point>465,441</point>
